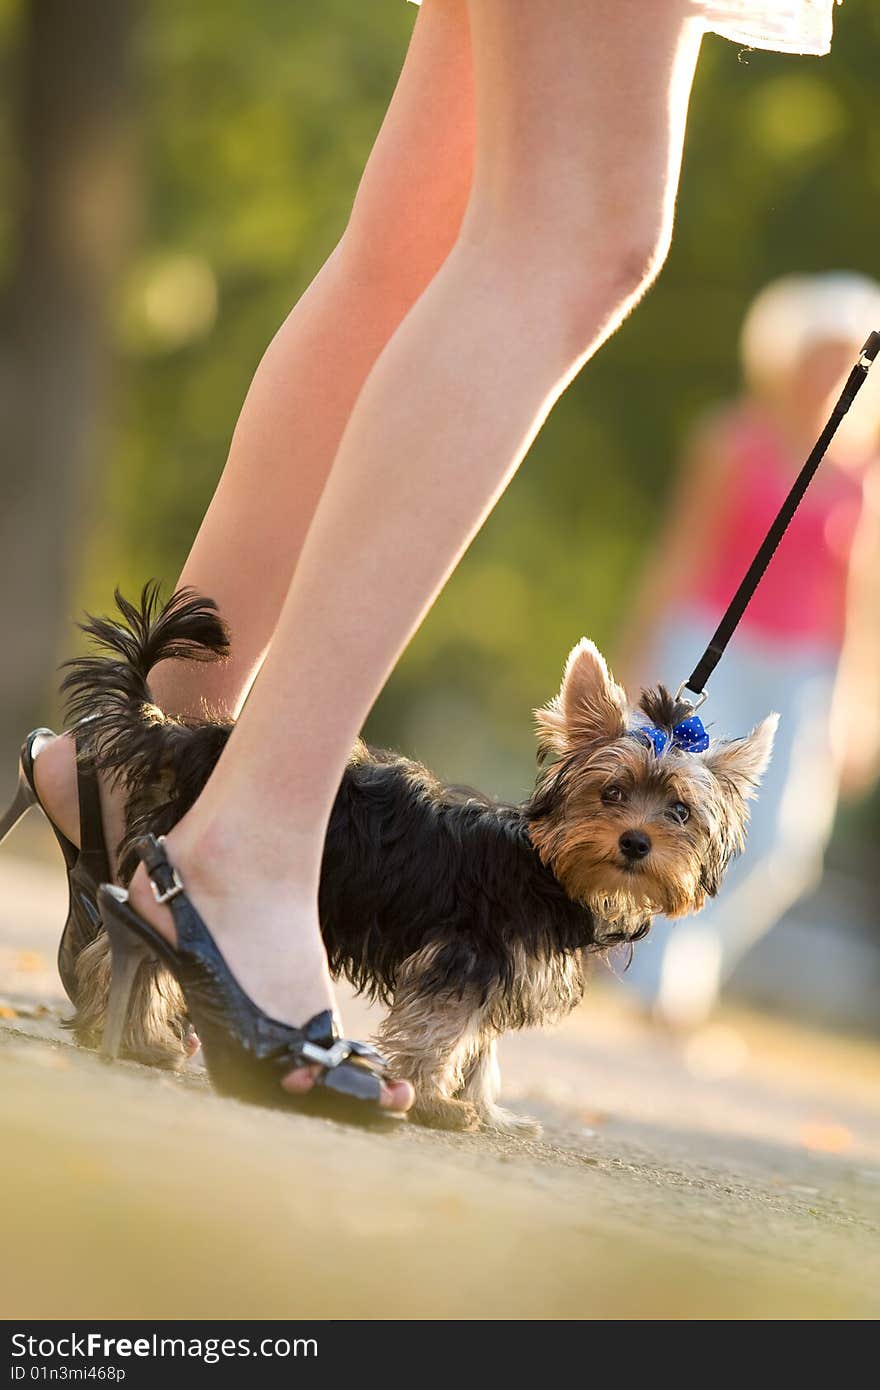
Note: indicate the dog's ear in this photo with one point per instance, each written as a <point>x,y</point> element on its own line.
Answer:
<point>740,764</point>
<point>590,704</point>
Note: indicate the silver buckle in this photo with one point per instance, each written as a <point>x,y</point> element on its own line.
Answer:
<point>326,1056</point>
<point>369,1054</point>
<point>701,698</point>
<point>172,892</point>
<point>340,1051</point>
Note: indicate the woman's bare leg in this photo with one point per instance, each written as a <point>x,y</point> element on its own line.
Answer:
<point>581,108</point>
<point>405,218</point>
<point>404,221</point>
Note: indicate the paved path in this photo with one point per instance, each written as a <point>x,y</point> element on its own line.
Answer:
<point>737,1176</point>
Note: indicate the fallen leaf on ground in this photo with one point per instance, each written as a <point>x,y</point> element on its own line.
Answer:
<point>30,962</point>
<point>826,1136</point>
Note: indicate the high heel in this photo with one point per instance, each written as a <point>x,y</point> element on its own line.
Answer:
<point>247,1053</point>
<point>87,864</point>
<point>127,953</point>
<point>24,799</point>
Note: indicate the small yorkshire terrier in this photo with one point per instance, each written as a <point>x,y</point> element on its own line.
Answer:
<point>467,917</point>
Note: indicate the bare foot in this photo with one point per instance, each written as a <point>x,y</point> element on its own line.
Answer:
<point>283,966</point>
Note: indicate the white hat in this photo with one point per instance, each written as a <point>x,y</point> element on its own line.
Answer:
<point>796,313</point>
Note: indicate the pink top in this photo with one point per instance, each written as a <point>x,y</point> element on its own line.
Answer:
<point>802,597</point>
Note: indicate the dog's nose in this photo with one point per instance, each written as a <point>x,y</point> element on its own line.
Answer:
<point>634,844</point>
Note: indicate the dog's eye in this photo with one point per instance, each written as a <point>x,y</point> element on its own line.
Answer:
<point>681,812</point>
<point>612,796</point>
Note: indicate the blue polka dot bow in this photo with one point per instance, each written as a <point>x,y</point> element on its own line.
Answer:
<point>689,736</point>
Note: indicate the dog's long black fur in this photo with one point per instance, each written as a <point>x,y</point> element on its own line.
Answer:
<point>409,863</point>
<point>108,697</point>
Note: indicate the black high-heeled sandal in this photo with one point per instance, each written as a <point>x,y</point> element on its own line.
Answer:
<point>87,864</point>
<point>247,1053</point>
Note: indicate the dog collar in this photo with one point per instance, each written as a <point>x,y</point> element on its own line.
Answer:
<point>689,736</point>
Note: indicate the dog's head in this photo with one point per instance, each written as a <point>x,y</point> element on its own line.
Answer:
<point>629,818</point>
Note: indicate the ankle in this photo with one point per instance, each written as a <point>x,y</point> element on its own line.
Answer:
<point>218,857</point>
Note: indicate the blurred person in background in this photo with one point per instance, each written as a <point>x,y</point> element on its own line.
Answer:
<point>809,643</point>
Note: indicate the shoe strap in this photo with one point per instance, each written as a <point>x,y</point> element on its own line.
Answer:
<point>322,1043</point>
<point>93,856</point>
<point>169,890</point>
<point>166,881</point>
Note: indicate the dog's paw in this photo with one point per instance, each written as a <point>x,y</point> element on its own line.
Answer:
<point>438,1112</point>
<point>502,1121</point>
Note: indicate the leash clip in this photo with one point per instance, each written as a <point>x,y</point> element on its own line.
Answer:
<point>701,698</point>
<point>870,350</point>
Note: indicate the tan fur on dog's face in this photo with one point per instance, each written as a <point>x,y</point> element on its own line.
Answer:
<point>691,806</point>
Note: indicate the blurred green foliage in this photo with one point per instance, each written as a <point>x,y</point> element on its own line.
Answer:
<point>256,119</point>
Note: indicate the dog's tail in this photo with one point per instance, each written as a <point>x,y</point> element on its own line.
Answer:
<point>162,763</point>
<point>108,694</point>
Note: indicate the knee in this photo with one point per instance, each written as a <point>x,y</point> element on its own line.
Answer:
<point>394,257</point>
<point>602,288</point>
<point>576,276</point>
<point>639,257</point>
<point>603,274</point>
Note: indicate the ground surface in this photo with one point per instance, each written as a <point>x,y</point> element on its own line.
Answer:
<point>737,1176</point>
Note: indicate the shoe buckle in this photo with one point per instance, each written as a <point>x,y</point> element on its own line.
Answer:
<point>369,1054</point>
<point>340,1051</point>
<point>164,895</point>
<point>328,1057</point>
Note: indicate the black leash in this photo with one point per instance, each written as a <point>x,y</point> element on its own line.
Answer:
<point>696,682</point>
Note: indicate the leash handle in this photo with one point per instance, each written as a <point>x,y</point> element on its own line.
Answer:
<point>697,680</point>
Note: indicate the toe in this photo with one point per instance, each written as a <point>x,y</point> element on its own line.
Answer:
<point>301,1080</point>
<point>397,1095</point>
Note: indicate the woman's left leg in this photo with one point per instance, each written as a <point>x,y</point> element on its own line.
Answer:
<point>405,217</point>
<point>404,221</point>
